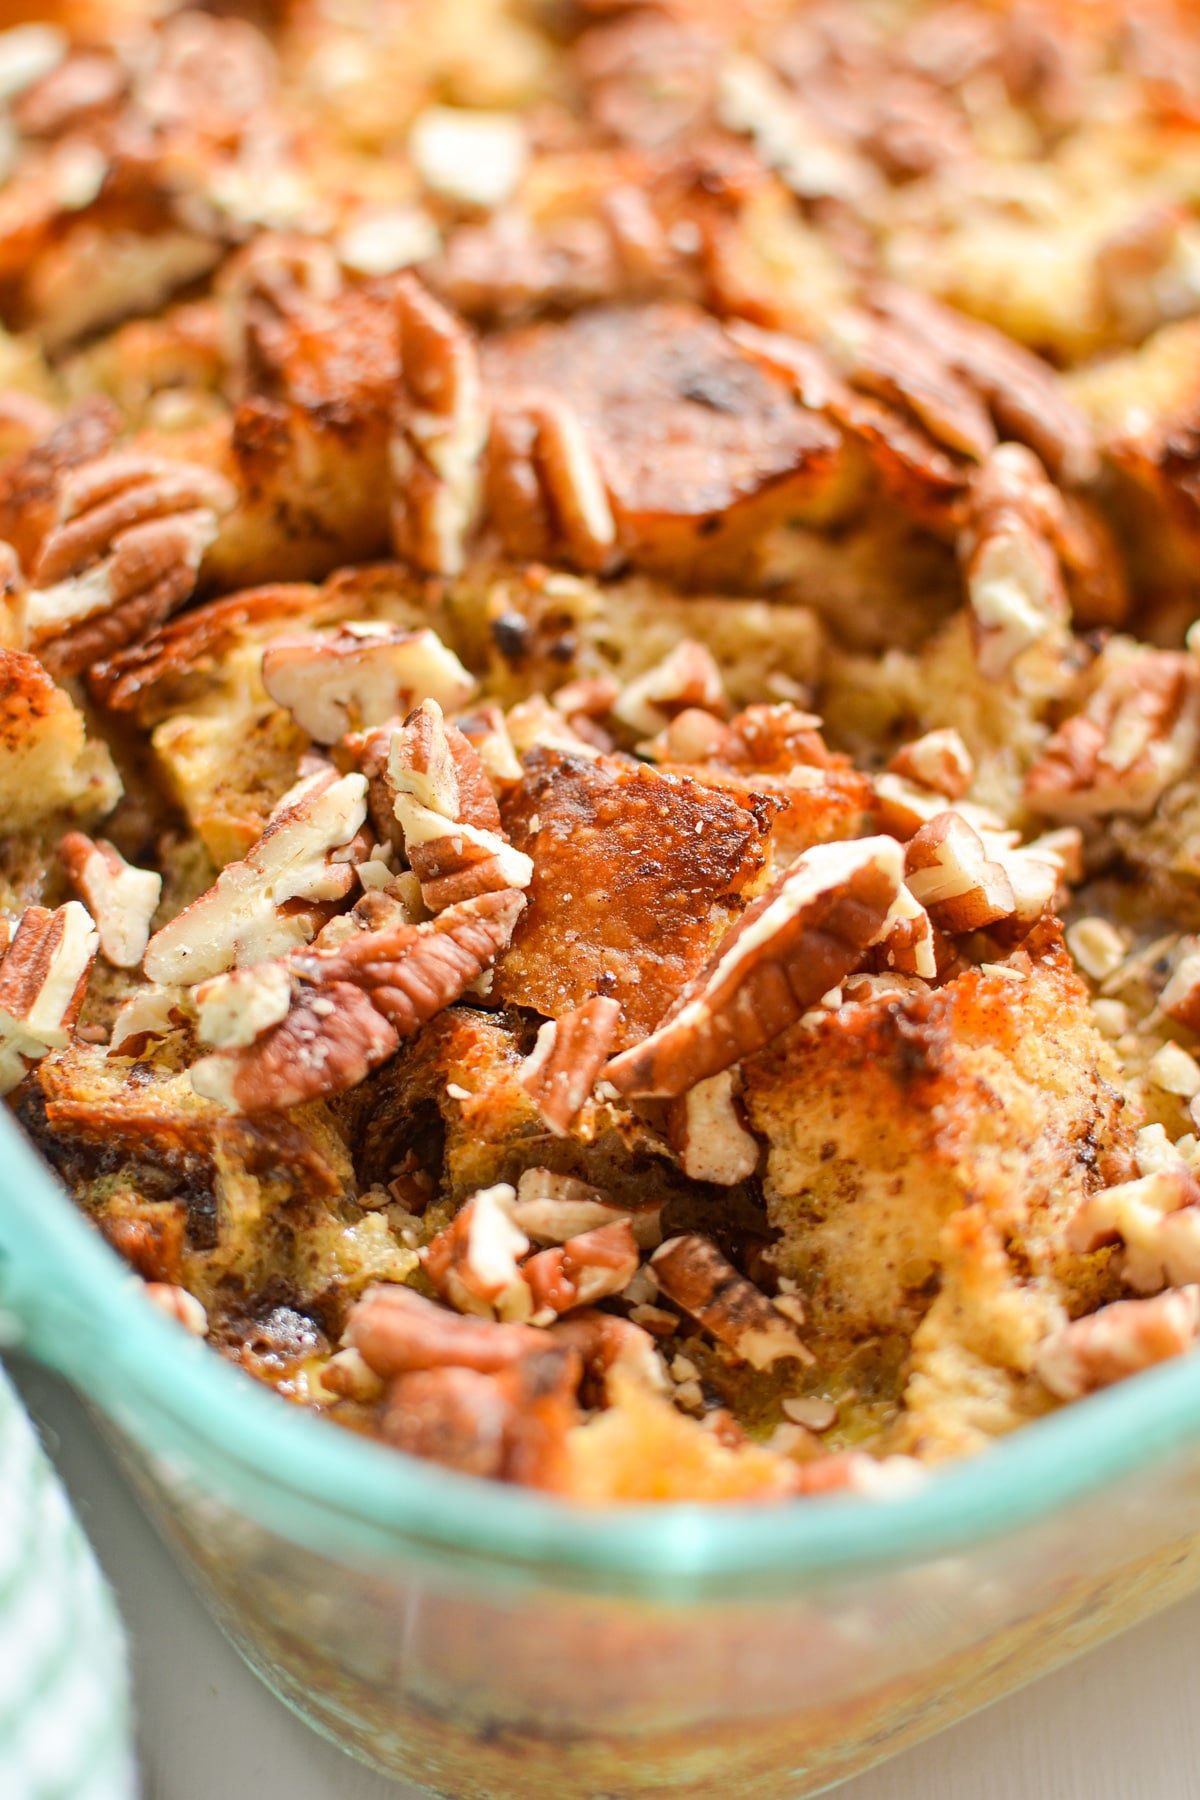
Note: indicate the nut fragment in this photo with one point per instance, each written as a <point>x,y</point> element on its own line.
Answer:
<point>551,1208</point>
<point>569,1053</point>
<point>446,810</point>
<point>790,947</point>
<point>1118,1341</point>
<point>360,676</point>
<point>178,1304</point>
<point>1139,733</point>
<point>584,1269</point>
<point>235,1009</point>
<point>43,976</point>
<point>121,899</point>
<point>397,1331</point>
<point>939,761</point>
<point>708,1133</point>
<point>1007,546</point>
<point>692,1272</point>
<point>438,433</point>
<point>948,871</point>
<point>1156,1218</point>
<point>239,920</point>
<point>474,158</point>
<point>906,938</point>
<point>352,1003</point>
<point>687,677</point>
<point>1180,999</point>
<point>473,1262</point>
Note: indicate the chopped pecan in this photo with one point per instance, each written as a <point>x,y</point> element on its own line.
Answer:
<point>438,433</point>
<point>149,1013</point>
<point>1156,1218</point>
<point>351,1005</point>
<point>906,941</point>
<point>582,1270</point>
<point>447,813</point>
<point>397,1332</point>
<point>43,977</point>
<point>948,871</point>
<point>473,1262</point>
<point>486,730</point>
<point>1118,1341</point>
<point>121,899</point>
<point>125,554</point>
<point>1009,554</point>
<point>791,946</point>
<point>1139,733</point>
<point>708,1134</point>
<point>1026,397</point>
<point>939,761</point>
<point>1180,999</point>
<point>473,158</point>
<point>511,1425</point>
<point>178,1304</point>
<point>235,1009</point>
<point>692,1272</point>
<point>243,918</point>
<point>688,677</point>
<point>551,1208</point>
<point>361,675</point>
<point>889,361</point>
<point>614,1350</point>
<point>569,1053</point>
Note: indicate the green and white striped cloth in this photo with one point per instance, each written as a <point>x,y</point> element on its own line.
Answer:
<point>64,1699</point>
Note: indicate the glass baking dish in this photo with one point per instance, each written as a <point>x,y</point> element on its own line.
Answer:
<point>483,1641</point>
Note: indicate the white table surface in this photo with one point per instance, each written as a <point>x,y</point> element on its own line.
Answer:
<point>1122,1724</point>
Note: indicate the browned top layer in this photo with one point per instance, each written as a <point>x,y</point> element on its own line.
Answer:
<point>635,874</point>
<point>680,421</point>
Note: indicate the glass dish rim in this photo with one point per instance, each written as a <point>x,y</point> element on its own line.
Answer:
<point>58,1277</point>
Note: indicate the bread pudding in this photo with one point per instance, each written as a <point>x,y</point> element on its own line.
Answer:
<point>600,715</point>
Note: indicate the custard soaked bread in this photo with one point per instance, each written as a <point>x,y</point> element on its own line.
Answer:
<point>600,712</point>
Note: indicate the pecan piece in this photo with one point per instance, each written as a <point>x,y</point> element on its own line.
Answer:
<point>1118,1341</point>
<point>241,919</point>
<point>584,1269</point>
<point>692,1272</point>
<point>360,676</point>
<point>438,433</point>
<point>447,813</point>
<point>688,677</point>
<point>121,899</point>
<point>791,946</point>
<point>1009,554</point>
<point>1156,1220</point>
<point>1139,733</point>
<point>125,553</point>
<point>178,1304</point>
<point>939,761</point>
<point>1180,999</point>
<point>708,1134</point>
<point>352,1003</point>
<point>906,941</point>
<point>570,1051</point>
<point>949,873</point>
<point>397,1331</point>
<point>473,1262</point>
<point>511,1425</point>
<point>43,977</point>
<point>551,1208</point>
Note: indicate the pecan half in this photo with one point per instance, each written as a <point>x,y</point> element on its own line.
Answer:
<point>242,918</point>
<point>121,899</point>
<point>352,1004</point>
<point>1139,733</point>
<point>447,813</point>
<point>570,1051</point>
<point>43,977</point>
<point>948,871</point>
<point>791,946</point>
<point>1118,1341</point>
<point>125,553</point>
<point>360,676</point>
<point>1026,397</point>
<point>708,1134</point>
<point>438,433</point>
<point>692,1272</point>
